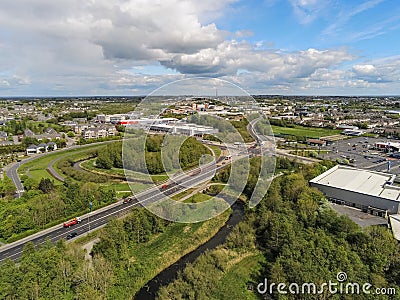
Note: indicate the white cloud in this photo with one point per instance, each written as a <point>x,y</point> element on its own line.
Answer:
<point>231,56</point>
<point>364,69</point>
<point>91,47</point>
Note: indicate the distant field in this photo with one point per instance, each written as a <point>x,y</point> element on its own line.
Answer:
<point>301,131</point>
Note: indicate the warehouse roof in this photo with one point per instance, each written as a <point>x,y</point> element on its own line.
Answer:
<point>360,181</point>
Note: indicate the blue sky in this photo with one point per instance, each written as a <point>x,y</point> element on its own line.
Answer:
<point>119,47</point>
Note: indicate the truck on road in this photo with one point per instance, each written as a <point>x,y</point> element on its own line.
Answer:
<point>72,222</point>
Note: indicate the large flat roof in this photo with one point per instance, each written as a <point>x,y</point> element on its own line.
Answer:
<point>360,181</point>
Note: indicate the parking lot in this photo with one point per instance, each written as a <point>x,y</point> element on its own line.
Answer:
<point>359,217</point>
<point>360,153</point>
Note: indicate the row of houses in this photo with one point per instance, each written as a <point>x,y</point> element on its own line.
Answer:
<point>48,134</point>
<point>41,148</point>
<point>99,132</point>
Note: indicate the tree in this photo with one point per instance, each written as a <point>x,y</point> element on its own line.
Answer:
<point>104,160</point>
<point>7,188</point>
<point>46,185</point>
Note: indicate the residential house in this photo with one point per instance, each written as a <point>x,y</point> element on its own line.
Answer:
<point>32,149</point>
<point>41,148</point>
<point>99,132</point>
<point>28,133</point>
<point>3,136</point>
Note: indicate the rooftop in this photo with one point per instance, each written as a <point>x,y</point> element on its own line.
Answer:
<point>361,181</point>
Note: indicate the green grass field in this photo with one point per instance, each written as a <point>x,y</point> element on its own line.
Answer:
<point>166,248</point>
<point>216,150</point>
<point>196,198</point>
<point>301,131</point>
<point>233,285</point>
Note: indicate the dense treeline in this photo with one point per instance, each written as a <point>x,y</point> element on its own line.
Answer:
<point>46,204</point>
<point>7,187</point>
<point>303,240</point>
<point>281,164</point>
<point>113,272</point>
<point>55,272</point>
<point>83,141</point>
<point>190,152</point>
<point>110,156</point>
<point>12,149</point>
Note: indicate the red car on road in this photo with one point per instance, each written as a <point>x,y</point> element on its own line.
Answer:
<point>72,222</point>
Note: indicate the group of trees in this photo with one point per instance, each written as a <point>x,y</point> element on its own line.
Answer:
<point>110,156</point>
<point>83,141</point>
<point>7,188</point>
<point>281,123</point>
<point>303,240</point>
<point>46,203</point>
<point>61,272</point>
<point>66,166</point>
<point>17,127</point>
<point>55,272</point>
<point>229,131</point>
<point>177,152</point>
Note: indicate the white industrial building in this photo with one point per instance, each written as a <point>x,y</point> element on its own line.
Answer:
<point>184,129</point>
<point>170,125</point>
<point>147,122</point>
<point>370,191</point>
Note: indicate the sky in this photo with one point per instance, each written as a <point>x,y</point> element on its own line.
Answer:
<point>132,47</point>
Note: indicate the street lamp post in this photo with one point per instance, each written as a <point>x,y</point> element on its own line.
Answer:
<point>90,207</point>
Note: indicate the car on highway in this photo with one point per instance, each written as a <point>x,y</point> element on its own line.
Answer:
<point>72,222</point>
<point>71,235</point>
<point>128,200</point>
<point>164,186</point>
<point>380,160</point>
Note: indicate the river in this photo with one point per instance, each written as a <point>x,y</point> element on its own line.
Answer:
<point>150,289</point>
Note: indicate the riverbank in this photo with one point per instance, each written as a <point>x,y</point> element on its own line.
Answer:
<point>151,288</point>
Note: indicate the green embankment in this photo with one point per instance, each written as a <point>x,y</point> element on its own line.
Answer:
<point>37,167</point>
<point>234,284</point>
<point>164,249</point>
